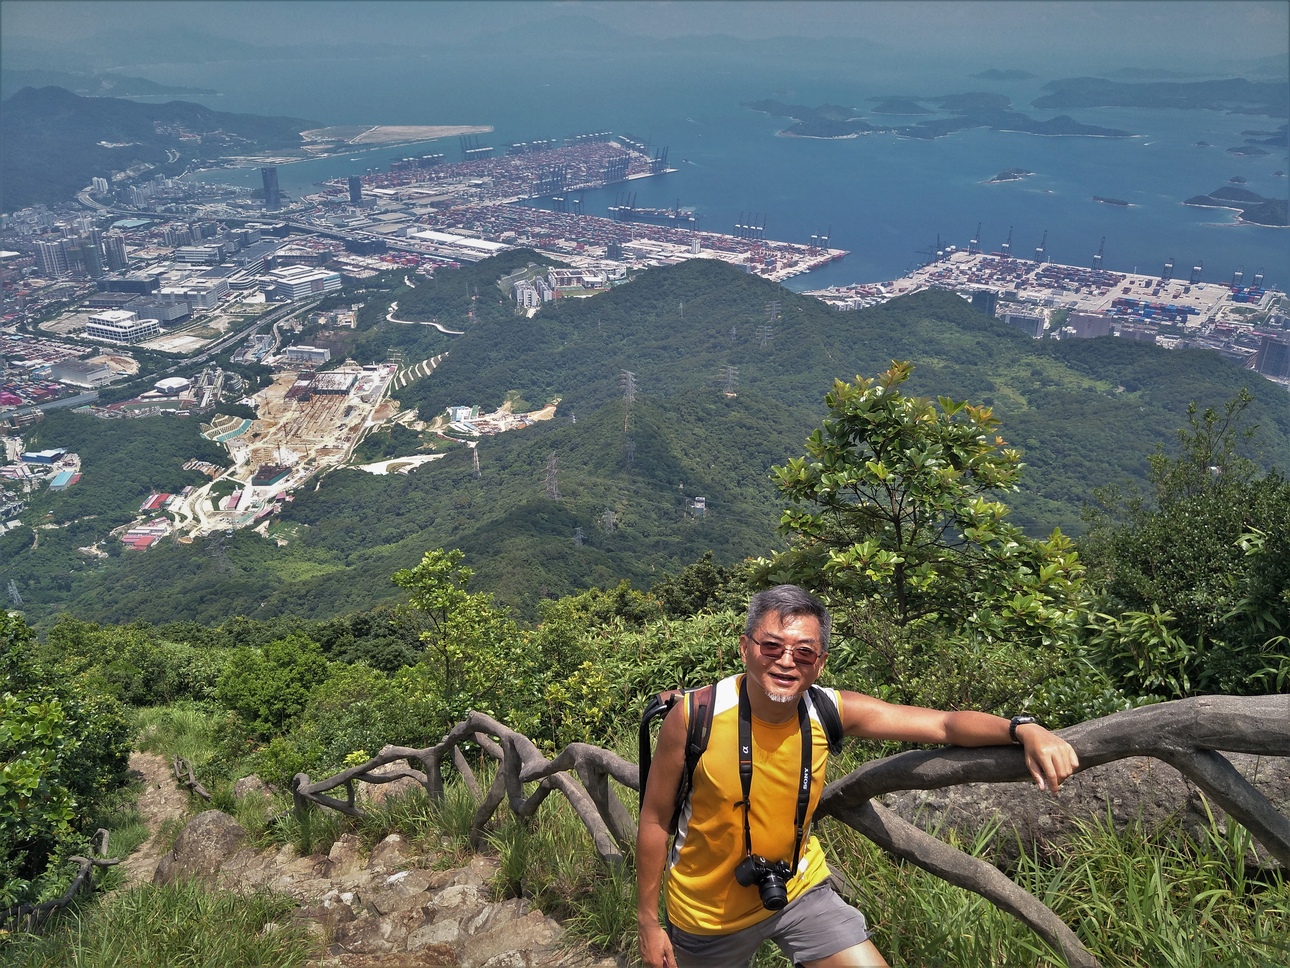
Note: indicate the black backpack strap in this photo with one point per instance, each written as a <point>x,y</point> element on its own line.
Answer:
<point>830,718</point>
<point>660,705</point>
<point>698,727</point>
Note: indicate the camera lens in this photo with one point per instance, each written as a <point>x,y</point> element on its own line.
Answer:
<point>774,894</point>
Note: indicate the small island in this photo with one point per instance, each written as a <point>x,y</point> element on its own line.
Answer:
<point>1011,175</point>
<point>898,105</point>
<point>974,109</point>
<point>1254,208</point>
<point>1110,201</point>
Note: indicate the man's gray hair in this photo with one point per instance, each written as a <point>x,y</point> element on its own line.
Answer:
<point>786,601</point>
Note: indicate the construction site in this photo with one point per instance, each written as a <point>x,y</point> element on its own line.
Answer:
<point>306,422</point>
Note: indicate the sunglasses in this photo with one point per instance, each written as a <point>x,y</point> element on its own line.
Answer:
<point>803,655</point>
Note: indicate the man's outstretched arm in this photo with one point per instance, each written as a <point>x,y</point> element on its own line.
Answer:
<point>1049,758</point>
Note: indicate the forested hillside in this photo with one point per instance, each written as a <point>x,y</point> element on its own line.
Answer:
<point>717,402</point>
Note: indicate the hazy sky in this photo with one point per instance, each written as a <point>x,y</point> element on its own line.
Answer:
<point>1145,30</point>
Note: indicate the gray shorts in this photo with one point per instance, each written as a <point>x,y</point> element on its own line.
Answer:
<point>816,925</point>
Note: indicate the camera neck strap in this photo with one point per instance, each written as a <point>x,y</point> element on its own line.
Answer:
<point>746,769</point>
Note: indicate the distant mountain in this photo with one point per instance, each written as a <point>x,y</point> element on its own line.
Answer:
<point>998,75</point>
<point>1231,94</point>
<point>607,490</point>
<point>93,85</point>
<point>52,142</point>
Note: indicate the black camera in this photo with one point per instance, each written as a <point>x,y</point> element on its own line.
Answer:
<point>769,878</point>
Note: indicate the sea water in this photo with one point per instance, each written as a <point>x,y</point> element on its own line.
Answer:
<point>883,198</point>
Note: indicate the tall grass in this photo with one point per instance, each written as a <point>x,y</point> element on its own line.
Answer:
<point>182,729</point>
<point>181,925</point>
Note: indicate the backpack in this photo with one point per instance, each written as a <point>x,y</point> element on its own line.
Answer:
<point>699,725</point>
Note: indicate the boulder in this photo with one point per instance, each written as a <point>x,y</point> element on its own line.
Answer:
<point>249,785</point>
<point>201,849</point>
<point>1140,789</point>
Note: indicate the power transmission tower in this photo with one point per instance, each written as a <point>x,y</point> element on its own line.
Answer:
<point>577,537</point>
<point>765,334</point>
<point>628,381</point>
<point>730,376</point>
<point>631,452</point>
<point>772,310</point>
<point>552,485</point>
<point>734,333</point>
<point>609,520</point>
<point>13,594</point>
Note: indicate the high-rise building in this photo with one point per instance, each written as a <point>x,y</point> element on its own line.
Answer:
<point>92,255</point>
<point>355,190</point>
<point>985,300</point>
<point>272,193</point>
<point>52,259</point>
<point>114,246</point>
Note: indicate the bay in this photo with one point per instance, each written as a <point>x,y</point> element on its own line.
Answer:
<point>886,199</point>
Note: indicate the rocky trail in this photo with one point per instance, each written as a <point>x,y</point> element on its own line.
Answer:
<point>391,907</point>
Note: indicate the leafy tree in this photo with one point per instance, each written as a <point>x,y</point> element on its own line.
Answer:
<point>268,687</point>
<point>702,586</point>
<point>1203,560</point>
<point>62,749</point>
<point>471,645</point>
<point>894,522</point>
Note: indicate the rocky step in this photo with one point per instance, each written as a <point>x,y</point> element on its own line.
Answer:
<point>389,907</point>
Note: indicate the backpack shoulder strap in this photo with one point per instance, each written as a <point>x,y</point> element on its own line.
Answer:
<point>658,706</point>
<point>830,718</point>
<point>698,727</point>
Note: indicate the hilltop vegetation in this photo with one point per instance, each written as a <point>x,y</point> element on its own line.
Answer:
<point>52,142</point>
<point>1083,413</point>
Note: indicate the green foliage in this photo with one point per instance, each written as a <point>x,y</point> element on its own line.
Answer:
<point>893,523</point>
<point>133,662</point>
<point>702,586</point>
<point>1199,568</point>
<point>63,749</point>
<point>268,687</point>
<point>627,476</point>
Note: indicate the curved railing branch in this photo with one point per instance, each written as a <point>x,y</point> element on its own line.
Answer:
<point>1187,734</point>
<point>32,917</point>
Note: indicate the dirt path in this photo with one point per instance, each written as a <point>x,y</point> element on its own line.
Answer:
<point>160,801</point>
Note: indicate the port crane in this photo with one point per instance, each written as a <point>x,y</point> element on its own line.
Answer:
<point>1043,246</point>
<point>1168,272</point>
<point>821,241</point>
<point>934,253</point>
<point>1007,246</point>
<point>1097,259</point>
<point>974,244</point>
<point>1195,272</point>
<point>1238,276</point>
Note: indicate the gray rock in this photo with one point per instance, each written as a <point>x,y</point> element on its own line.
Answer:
<point>210,839</point>
<point>389,855</point>
<point>251,785</point>
<point>1137,789</point>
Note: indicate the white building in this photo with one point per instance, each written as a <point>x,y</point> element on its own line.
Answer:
<point>121,326</point>
<point>296,282</point>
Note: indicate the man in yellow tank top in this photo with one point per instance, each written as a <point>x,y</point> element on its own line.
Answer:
<point>743,867</point>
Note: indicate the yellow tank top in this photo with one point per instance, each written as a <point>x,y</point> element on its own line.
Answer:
<point>703,896</point>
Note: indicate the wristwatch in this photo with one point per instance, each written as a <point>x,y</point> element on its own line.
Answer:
<point>1023,720</point>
